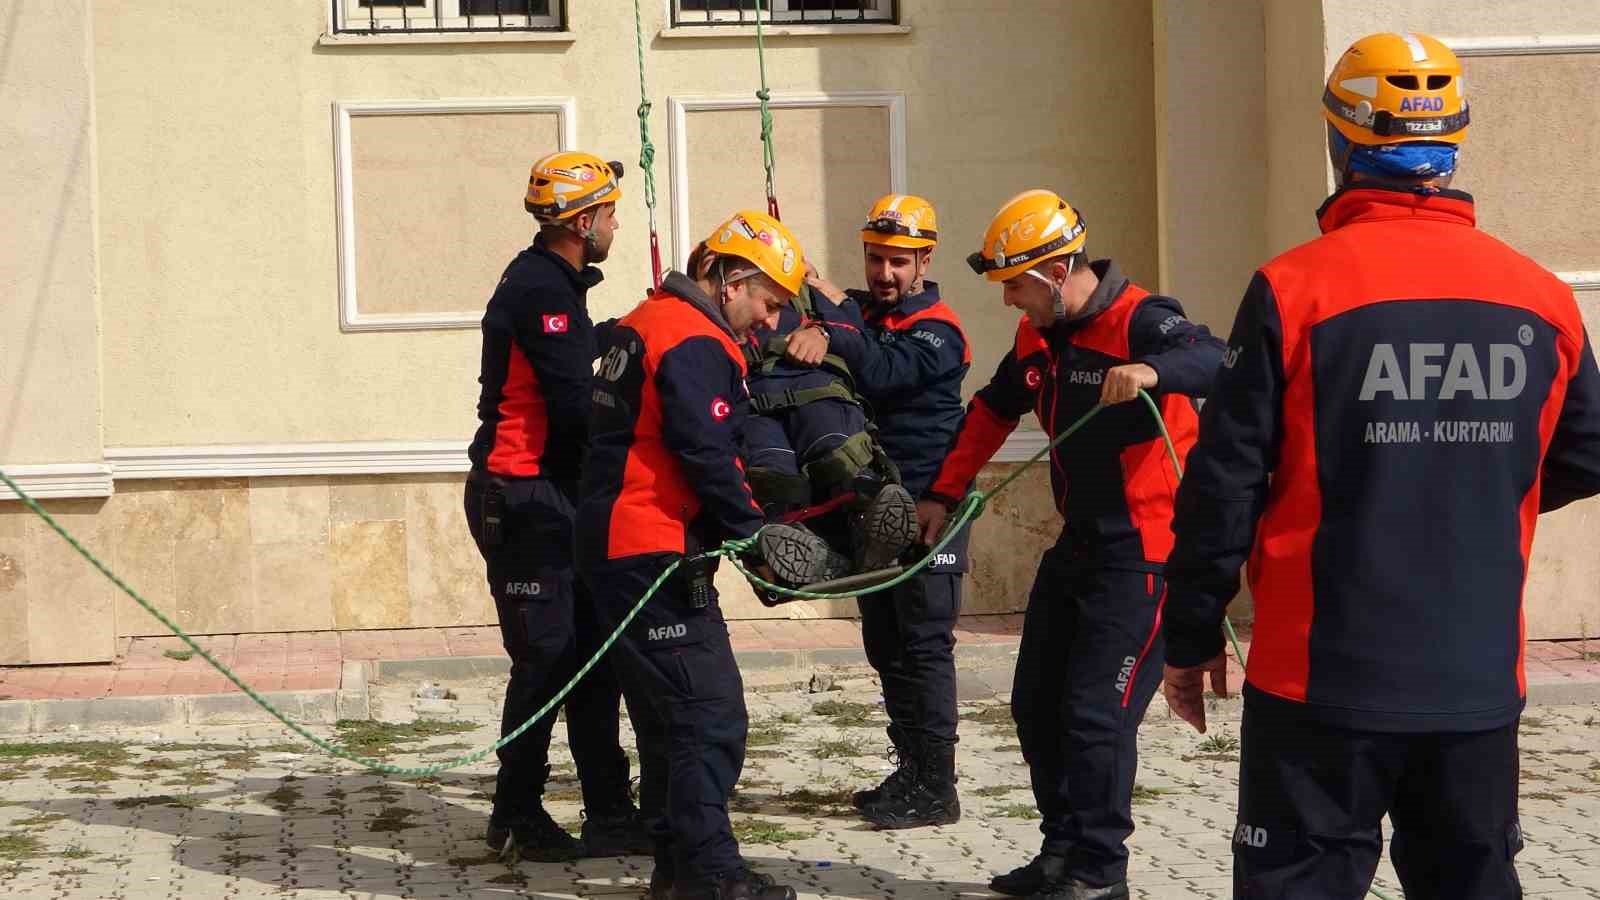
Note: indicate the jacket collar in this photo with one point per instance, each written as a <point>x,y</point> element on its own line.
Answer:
<point>1372,203</point>
<point>683,287</point>
<point>1112,284</point>
<point>582,280</point>
<point>906,306</point>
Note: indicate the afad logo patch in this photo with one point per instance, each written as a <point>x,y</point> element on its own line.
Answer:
<point>1032,378</point>
<point>555,324</point>
<point>720,409</point>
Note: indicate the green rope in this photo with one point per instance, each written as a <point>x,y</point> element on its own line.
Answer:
<point>768,157</point>
<point>647,150</point>
<point>971,507</point>
<point>368,762</point>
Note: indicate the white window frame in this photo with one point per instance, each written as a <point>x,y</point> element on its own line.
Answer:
<point>353,17</point>
<point>772,11</point>
<point>351,318</point>
<point>678,109</point>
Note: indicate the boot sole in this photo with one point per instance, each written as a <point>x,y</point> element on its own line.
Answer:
<point>799,557</point>
<point>890,528</point>
<point>897,823</point>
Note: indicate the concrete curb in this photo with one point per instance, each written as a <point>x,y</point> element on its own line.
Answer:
<point>317,707</point>
<point>463,668</point>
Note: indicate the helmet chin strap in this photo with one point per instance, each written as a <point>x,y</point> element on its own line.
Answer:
<point>1056,300</point>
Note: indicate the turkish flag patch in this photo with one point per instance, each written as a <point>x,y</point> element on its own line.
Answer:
<point>720,409</point>
<point>555,324</point>
<point>1032,378</point>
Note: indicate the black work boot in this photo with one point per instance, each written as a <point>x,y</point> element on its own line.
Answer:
<point>898,780</point>
<point>616,831</point>
<point>660,884</point>
<point>885,528</point>
<point>535,837</point>
<point>1073,889</point>
<point>798,556</point>
<point>1038,875</point>
<point>740,884</point>
<point>930,800</point>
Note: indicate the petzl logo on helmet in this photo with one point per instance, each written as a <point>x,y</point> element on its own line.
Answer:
<point>764,237</point>
<point>555,324</point>
<point>586,175</point>
<point>1032,378</point>
<point>720,409</point>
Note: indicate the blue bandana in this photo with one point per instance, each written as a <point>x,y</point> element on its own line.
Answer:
<point>1399,160</point>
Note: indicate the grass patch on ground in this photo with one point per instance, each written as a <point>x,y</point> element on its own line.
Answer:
<point>392,818</point>
<point>765,734</point>
<point>808,802</point>
<point>1543,795</point>
<point>1017,811</point>
<point>379,738</point>
<point>1008,748</point>
<point>836,750</point>
<point>190,778</point>
<point>12,773</point>
<point>82,772</point>
<point>761,831</point>
<point>462,862</point>
<point>844,713</point>
<point>179,655</point>
<point>103,752</point>
<point>760,753</point>
<point>999,790</point>
<point>285,798</point>
<point>38,821</point>
<point>18,845</point>
<point>184,802</point>
<point>158,765</point>
<point>244,759</point>
<point>76,852</point>
<point>1220,743</point>
<point>1142,794</point>
<point>238,859</point>
<point>988,715</point>
<point>182,747</point>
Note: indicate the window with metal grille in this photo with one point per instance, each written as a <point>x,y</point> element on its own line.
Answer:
<point>811,12</point>
<point>445,16</point>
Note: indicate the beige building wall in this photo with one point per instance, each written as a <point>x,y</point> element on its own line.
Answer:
<point>220,254</point>
<point>49,344</point>
<point>49,340</point>
<point>253,172</point>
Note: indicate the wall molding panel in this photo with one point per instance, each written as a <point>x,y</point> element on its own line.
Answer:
<point>351,318</point>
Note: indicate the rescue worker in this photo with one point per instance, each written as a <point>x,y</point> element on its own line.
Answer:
<point>538,352</point>
<point>1089,660</point>
<point>1401,397</point>
<point>908,354</point>
<point>665,483</point>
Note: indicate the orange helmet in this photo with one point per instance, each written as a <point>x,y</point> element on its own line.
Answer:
<point>1394,88</point>
<point>567,182</point>
<point>901,220</point>
<point>764,242</point>
<point>1031,226</point>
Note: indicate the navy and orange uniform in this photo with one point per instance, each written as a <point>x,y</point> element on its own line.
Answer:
<point>1088,663</point>
<point>1378,447</point>
<point>908,359</point>
<point>664,480</point>
<point>664,472</point>
<point>538,353</point>
<point>1113,481</point>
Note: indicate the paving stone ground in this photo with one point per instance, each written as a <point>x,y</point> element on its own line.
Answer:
<point>246,811</point>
